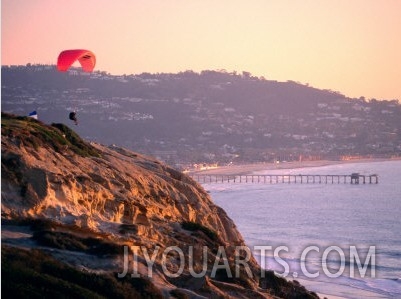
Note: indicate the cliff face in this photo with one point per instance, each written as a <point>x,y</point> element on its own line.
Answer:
<point>108,186</point>
<point>134,202</point>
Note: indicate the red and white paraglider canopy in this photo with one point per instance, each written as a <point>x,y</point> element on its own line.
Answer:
<point>66,58</point>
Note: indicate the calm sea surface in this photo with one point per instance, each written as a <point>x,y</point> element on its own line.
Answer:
<point>323,222</point>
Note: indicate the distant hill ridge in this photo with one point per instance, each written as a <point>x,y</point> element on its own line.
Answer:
<point>70,208</point>
<point>211,116</point>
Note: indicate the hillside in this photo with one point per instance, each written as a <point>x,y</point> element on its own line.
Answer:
<point>212,116</point>
<point>76,214</point>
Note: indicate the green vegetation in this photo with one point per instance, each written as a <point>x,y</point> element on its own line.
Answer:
<point>278,286</point>
<point>193,226</point>
<point>45,224</point>
<point>34,274</point>
<point>33,133</point>
<point>47,232</point>
<point>67,241</point>
<point>79,146</point>
<point>179,294</point>
<point>243,278</point>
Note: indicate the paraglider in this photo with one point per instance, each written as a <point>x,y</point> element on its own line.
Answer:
<point>67,58</point>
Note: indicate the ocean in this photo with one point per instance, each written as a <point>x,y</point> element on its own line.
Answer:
<point>340,240</point>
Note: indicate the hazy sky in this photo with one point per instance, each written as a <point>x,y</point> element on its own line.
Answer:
<point>351,46</point>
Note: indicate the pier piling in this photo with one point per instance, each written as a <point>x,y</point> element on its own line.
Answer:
<point>354,178</point>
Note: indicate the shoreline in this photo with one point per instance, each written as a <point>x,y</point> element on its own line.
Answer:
<point>331,290</point>
<point>244,169</point>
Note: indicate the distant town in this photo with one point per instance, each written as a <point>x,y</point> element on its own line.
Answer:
<point>207,119</point>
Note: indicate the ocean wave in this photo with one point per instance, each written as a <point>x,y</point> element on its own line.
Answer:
<point>298,216</point>
<point>391,287</point>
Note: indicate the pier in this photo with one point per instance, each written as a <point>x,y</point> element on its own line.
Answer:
<point>354,178</point>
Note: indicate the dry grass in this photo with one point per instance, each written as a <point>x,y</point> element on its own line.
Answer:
<point>33,274</point>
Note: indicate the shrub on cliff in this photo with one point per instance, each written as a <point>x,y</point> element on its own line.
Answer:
<point>33,133</point>
<point>193,226</point>
<point>34,274</point>
<point>67,241</point>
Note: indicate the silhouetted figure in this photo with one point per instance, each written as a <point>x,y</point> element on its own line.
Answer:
<point>73,116</point>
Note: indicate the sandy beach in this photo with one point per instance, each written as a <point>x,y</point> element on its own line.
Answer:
<point>242,169</point>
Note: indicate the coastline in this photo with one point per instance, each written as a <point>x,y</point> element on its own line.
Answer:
<point>332,291</point>
<point>243,169</point>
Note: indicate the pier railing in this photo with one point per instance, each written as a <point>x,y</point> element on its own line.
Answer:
<point>354,178</point>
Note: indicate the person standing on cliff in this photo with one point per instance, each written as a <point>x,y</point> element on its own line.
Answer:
<point>73,116</point>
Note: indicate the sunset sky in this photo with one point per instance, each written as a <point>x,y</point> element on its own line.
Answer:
<point>350,46</point>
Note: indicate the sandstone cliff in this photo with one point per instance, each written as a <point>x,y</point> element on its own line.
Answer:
<point>102,202</point>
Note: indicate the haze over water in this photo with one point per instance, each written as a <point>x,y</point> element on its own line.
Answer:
<point>324,215</point>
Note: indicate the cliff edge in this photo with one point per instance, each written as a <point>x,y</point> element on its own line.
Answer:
<point>107,214</point>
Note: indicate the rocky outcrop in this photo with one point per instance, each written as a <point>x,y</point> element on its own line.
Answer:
<point>130,200</point>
